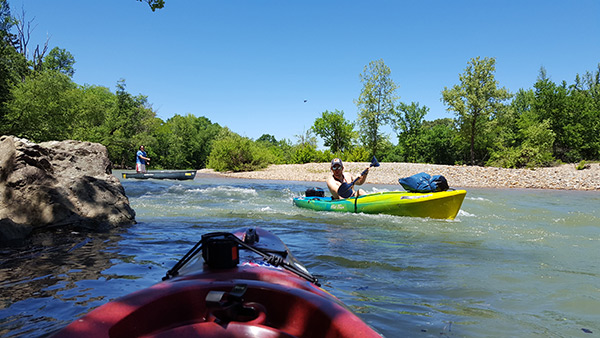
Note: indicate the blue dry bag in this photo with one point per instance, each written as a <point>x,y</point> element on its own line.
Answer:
<point>423,182</point>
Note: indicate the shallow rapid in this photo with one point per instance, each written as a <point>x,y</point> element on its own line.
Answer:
<point>513,263</point>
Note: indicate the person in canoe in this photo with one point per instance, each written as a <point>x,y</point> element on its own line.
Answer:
<point>339,177</point>
<point>141,159</point>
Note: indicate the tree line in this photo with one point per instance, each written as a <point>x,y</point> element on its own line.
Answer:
<point>547,124</point>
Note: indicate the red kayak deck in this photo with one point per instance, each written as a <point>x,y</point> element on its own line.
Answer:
<point>275,303</point>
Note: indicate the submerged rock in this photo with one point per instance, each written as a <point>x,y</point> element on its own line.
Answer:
<point>58,184</point>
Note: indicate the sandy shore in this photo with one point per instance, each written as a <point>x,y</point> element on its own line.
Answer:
<point>562,177</point>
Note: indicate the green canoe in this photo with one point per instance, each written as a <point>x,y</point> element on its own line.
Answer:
<point>163,175</point>
<point>443,204</point>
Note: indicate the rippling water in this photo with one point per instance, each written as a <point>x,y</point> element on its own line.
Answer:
<point>514,263</point>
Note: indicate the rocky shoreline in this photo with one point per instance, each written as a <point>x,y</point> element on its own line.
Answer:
<point>565,177</point>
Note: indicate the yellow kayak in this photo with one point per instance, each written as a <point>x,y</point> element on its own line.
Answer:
<point>443,204</point>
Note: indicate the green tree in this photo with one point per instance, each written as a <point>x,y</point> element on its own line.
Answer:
<point>8,78</point>
<point>586,99</point>
<point>207,134</point>
<point>189,142</point>
<point>306,153</point>
<point>281,151</point>
<point>534,151</point>
<point>551,104</point>
<point>507,124</point>
<point>126,126</point>
<point>183,142</point>
<point>232,152</point>
<point>43,107</point>
<point>376,103</point>
<point>475,102</point>
<point>407,121</point>
<point>592,81</point>
<point>306,138</point>
<point>358,154</point>
<point>337,132</point>
<point>305,149</point>
<point>522,138</point>
<point>267,138</point>
<point>154,4</point>
<point>438,142</point>
<point>94,105</point>
<point>60,60</point>
<point>519,117</point>
<point>582,135</point>
<point>13,66</point>
<point>573,113</point>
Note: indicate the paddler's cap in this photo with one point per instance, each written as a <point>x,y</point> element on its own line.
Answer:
<point>336,161</point>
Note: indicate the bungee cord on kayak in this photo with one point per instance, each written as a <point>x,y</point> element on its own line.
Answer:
<point>216,247</point>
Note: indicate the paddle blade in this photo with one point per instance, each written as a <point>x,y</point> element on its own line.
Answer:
<point>374,162</point>
<point>345,190</point>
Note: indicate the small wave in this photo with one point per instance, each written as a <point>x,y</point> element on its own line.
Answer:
<point>376,190</point>
<point>177,188</point>
<point>461,212</point>
<point>478,199</point>
<point>225,191</point>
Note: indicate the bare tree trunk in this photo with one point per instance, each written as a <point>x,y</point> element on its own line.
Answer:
<point>21,43</point>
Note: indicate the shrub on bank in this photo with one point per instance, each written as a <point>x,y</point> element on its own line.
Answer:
<point>232,152</point>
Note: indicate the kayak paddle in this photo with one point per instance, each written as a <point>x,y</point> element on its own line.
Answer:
<point>345,190</point>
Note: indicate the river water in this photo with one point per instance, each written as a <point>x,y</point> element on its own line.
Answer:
<point>513,263</point>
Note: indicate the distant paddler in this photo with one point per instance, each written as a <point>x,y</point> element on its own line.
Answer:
<point>141,158</point>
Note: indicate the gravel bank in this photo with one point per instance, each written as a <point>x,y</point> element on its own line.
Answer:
<point>562,177</point>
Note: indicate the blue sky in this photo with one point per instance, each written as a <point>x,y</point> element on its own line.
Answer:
<point>250,65</point>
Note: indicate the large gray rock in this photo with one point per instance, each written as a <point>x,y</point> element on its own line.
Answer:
<point>58,184</point>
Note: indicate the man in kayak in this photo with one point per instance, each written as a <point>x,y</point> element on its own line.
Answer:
<point>141,158</point>
<point>339,176</point>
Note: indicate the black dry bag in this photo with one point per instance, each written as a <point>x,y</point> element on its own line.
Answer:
<point>317,192</point>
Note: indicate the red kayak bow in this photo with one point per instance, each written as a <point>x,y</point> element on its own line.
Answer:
<point>245,284</point>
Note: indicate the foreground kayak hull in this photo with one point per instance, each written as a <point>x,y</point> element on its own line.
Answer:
<point>441,205</point>
<point>163,175</point>
<point>275,303</point>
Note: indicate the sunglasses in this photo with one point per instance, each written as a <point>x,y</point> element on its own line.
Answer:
<point>336,167</point>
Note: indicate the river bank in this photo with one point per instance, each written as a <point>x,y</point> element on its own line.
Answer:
<point>565,176</point>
